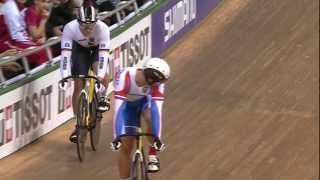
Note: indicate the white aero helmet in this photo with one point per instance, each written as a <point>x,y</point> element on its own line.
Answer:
<point>156,70</point>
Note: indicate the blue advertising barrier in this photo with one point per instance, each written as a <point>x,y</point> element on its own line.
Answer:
<point>205,7</point>
<point>174,19</point>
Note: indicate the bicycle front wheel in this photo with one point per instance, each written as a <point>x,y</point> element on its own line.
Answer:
<point>82,129</point>
<point>138,168</point>
<point>95,125</point>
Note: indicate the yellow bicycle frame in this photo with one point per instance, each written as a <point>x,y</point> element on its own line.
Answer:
<point>90,94</point>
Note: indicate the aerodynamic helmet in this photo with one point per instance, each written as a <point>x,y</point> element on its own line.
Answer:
<point>156,70</point>
<point>87,15</point>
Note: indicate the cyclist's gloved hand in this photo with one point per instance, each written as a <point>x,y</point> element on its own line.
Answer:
<point>99,87</point>
<point>63,85</point>
<point>115,145</point>
<point>108,101</point>
<point>159,146</point>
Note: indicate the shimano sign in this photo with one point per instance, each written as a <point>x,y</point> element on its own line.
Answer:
<point>179,16</point>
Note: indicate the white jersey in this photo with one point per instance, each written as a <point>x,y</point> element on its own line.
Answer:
<point>14,19</point>
<point>127,88</point>
<point>100,37</point>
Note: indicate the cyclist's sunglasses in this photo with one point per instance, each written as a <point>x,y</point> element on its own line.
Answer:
<point>154,76</point>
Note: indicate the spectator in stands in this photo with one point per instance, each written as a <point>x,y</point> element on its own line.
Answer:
<point>4,34</point>
<point>14,16</point>
<point>78,3</point>
<point>108,5</point>
<point>10,52</point>
<point>141,2</point>
<point>10,69</point>
<point>63,12</point>
<point>131,8</point>
<point>14,12</point>
<point>36,18</point>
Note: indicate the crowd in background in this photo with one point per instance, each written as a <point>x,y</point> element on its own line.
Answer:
<point>29,23</point>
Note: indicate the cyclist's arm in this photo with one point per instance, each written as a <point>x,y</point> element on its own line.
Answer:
<point>104,48</point>
<point>157,99</point>
<point>122,86</point>
<point>66,50</point>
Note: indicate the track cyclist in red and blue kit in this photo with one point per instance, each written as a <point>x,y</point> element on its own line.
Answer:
<point>139,92</point>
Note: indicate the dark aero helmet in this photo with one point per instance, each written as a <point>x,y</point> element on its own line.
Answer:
<point>87,15</point>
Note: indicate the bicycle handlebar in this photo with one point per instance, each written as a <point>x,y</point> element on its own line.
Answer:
<point>156,139</point>
<point>62,81</point>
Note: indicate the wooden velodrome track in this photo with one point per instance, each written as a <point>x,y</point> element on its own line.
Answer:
<point>242,104</point>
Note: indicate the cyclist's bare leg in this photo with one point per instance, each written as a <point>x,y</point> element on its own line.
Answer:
<point>124,160</point>
<point>103,104</point>
<point>78,84</point>
<point>147,117</point>
<point>153,160</point>
<point>105,80</point>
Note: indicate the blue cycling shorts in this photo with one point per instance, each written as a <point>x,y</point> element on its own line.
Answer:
<point>129,115</point>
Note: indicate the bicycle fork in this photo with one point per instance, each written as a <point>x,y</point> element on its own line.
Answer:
<point>87,107</point>
<point>88,91</point>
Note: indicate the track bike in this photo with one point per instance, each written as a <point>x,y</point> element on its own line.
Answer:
<point>138,161</point>
<point>88,118</point>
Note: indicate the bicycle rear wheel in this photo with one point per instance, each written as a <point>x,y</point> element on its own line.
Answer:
<point>95,125</point>
<point>81,126</point>
<point>138,168</point>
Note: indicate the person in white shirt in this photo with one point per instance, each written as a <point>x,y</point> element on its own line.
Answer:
<point>85,43</point>
<point>14,13</point>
